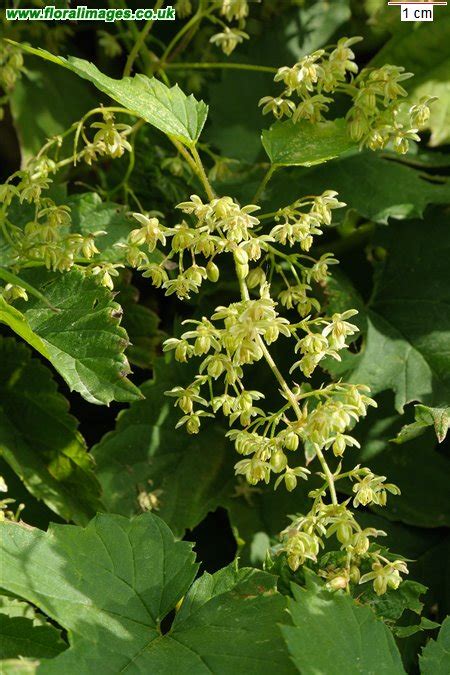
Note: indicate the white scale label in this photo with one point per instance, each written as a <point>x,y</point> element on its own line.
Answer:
<point>415,11</point>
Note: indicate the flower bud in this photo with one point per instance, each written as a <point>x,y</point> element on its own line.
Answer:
<point>242,271</point>
<point>337,583</point>
<point>256,277</point>
<point>361,543</point>
<point>290,480</point>
<point>355,574</point>
<point>291,441</point>
<point>212,271</point>
<point>193,424</point>
<point>241,256</point>
<point>202,345</point>
<point>380,585</point>
<point>215,367</point>
<point>278,461</point>
<point>344,532</point>
<point>186,405</point>
<point>339,446</point>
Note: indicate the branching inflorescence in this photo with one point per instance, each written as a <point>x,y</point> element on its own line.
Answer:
<point>179,258</point>
<point>378,114</point>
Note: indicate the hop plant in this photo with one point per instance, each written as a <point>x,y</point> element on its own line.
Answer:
<point>312,428</point>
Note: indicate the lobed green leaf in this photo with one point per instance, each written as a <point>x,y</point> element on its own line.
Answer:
<point>167,109</point>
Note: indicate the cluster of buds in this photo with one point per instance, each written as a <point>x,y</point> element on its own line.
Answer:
<point>11,63</point>
<point>109,141</point>
<point>304,540</point>
<point>49,238</point>
<point>231,36</point>
<point>223,226</point>
<point>312,79</point>
<point>298,226</point>
<point>378,115</point>
<point>220,226</point>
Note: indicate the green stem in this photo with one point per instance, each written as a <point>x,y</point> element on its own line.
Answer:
<point>187,26</point>
<point>328,474</point>
<point>270,171</point>
<point>139,42</point>
<point>202,173</point>
<point>225,65</point>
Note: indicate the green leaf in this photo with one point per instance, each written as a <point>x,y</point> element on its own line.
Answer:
<point>39,439</point>
<point>407,631</point>
<point>112,584</point>
<point>319,21</point>
<point>20,637</point>
<point>90,214</point>
<point>17,322</point>
<point>406,344</point>
<point>36,120</point>
<point>425,417</point>
<point>435,658</point>
<point>306,144</point>
<point>12,607</point>
<point>141,324</point>
<point>385,188</point>
<point>81,337</point>
<point>146,453</point>
<point>391,605</point>
<point>414,467</point>
<point>425,52</point>
<point>333,635</point>
<point>168,109</point>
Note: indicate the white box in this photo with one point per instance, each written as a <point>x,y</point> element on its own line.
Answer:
<point>416,11</point>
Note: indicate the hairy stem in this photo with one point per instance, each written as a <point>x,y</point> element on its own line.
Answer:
<point>139,42</point>
<point>225,65</point>
<point>270,171</point>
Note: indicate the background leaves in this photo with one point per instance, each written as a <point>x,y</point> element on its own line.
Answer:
<point>39,439</point>
<point>333,635</point>
<point>118,579</point>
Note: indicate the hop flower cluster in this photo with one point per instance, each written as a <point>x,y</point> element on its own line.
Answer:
<point>378,115</point>
<point>231,36</point>
<point>306,537</point>
<point>220,226</point>
<point>310,80</point>
<point>300,227</point>
<point>49,237</point>
<point>318,422</point>
<point>110,139</point>
<point>11,62</point>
